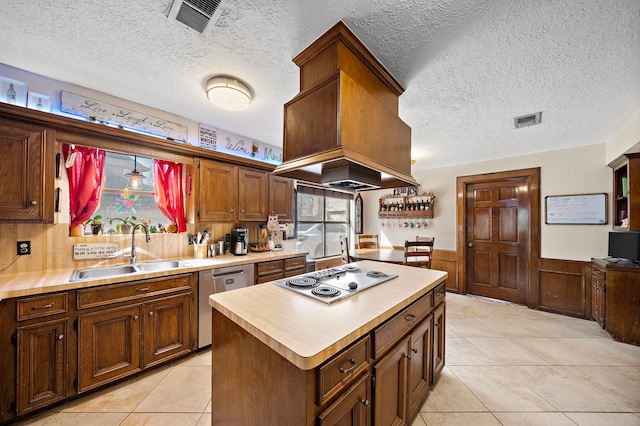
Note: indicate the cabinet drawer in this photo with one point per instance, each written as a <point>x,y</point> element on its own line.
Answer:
<point>269,277</point>
<point>340,371</point>
<point>293,272</point>
<point>391,331</point>
<point>439,293</point>
<point>41,306</point>
<point>295,263</point>
<point>598,273</point>
<point>270,268</point>
<point>114,293</point>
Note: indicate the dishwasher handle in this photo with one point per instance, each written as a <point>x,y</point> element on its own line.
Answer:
<point>226,274</point>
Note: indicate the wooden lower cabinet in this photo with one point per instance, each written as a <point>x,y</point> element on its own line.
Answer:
<point>382,379</point>
<point>42,362</point>
<point>352,408</point>
<point>403,377</point>
<point>439,326</point>
<point>166,329</point>
<point>109,346</point>
<point>70,342</point>
<point>617,304</point>
<point>278,269</point>
<point>598,281</point>
<point>116,340</point>
<point>390,373</point>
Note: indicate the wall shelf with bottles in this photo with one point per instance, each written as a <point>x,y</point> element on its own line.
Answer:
<point>407,206</point>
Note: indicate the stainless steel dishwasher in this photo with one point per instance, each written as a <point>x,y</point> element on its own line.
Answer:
<point>216,281</point>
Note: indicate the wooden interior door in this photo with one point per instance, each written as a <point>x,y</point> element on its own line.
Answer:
<point>497,225</point>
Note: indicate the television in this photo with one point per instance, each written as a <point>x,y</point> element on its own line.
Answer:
<point>625,245</point>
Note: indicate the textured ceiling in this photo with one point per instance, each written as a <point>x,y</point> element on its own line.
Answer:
<point>469,67</point>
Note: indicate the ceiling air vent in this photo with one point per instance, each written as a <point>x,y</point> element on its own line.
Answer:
<point>528,120</point>
<point>195,14</point>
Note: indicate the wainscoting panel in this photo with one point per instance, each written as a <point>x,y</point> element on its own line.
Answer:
<point>446,260</point>
<point>564,287</point>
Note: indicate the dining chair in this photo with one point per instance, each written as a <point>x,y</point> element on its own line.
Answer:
<point>368,241</point>
<point>419,238</point>
<point>418,253</point>
<point>344,249</point>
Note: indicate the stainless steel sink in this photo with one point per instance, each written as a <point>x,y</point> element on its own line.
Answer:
<point>158,266</point>
<point>109,271</point>
<point>114,271</point>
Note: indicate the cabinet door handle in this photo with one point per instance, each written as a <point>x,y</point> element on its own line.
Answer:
<point>414,350</point>
<point>408,357</point>
<point>135,318</point>
<point>437,324</point>
<point>151,313</point>
<point>60,337</point>
<point>365,402</point>
<point>47,306</point>
<point>350,369</point>
<point>410,317</point>
<point>34,202</point>
<point>142,289</point>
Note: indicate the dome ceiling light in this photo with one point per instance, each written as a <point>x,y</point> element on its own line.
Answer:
<point>228,93</point>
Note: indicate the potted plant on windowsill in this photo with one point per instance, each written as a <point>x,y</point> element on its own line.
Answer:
<point>126,224</point>
<point>96,224</point>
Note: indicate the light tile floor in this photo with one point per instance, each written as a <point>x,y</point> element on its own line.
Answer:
<point>506,365</point>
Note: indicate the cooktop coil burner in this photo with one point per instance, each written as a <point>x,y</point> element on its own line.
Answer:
<point>302,282</point>
<point>325,291</point>
<point>334,284</point>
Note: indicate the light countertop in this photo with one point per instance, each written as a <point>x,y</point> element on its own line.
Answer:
<point>40,282</point>
<point>307,332</point>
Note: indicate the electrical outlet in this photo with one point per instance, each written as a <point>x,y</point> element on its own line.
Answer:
<point>24,247</point>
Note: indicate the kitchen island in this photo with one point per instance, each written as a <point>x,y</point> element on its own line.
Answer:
<point>281,358</point>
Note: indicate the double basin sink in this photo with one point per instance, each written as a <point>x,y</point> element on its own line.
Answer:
<point>114,271</point>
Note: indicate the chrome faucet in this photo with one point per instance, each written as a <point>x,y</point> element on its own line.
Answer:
<point>132,257</point>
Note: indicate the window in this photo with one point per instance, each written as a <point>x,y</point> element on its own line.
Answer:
<point>322,218</point>
<point>118,202</point>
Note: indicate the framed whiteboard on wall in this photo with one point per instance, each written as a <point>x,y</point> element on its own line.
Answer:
<point>579,209</point>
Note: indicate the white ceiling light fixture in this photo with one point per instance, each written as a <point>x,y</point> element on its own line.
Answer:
<point>228,93</point>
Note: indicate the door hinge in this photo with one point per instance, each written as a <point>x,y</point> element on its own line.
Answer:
<point>604,288</point>
<point>75,384</point>
<point>198,166</point>
<point>373,381</point>
<point>198,214</point>
<point>12,406</point>
<point>75,324</point>
<point>14,339</point>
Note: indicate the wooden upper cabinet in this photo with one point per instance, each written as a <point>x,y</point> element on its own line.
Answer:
<point>217,188</point>
<point>253,191</point>
<point>229,193</point>
<point>626,193</point>
<point>281,198</point>
<point>26,172</point>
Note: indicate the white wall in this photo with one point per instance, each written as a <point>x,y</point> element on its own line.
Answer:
<point>570,171</point>
<point>627,136</point>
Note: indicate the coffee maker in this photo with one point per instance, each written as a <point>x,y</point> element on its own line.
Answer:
<point>239,244</point>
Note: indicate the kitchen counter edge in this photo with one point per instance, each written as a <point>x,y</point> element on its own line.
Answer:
<point>49,281</point>
<point>284,320</point>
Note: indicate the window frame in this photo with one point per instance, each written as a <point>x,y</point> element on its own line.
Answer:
<point>325,193</point>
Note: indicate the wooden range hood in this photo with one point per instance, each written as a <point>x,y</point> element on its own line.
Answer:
<point>343,129</point>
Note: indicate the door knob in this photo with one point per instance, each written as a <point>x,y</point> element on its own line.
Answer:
<point>470,244</point>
